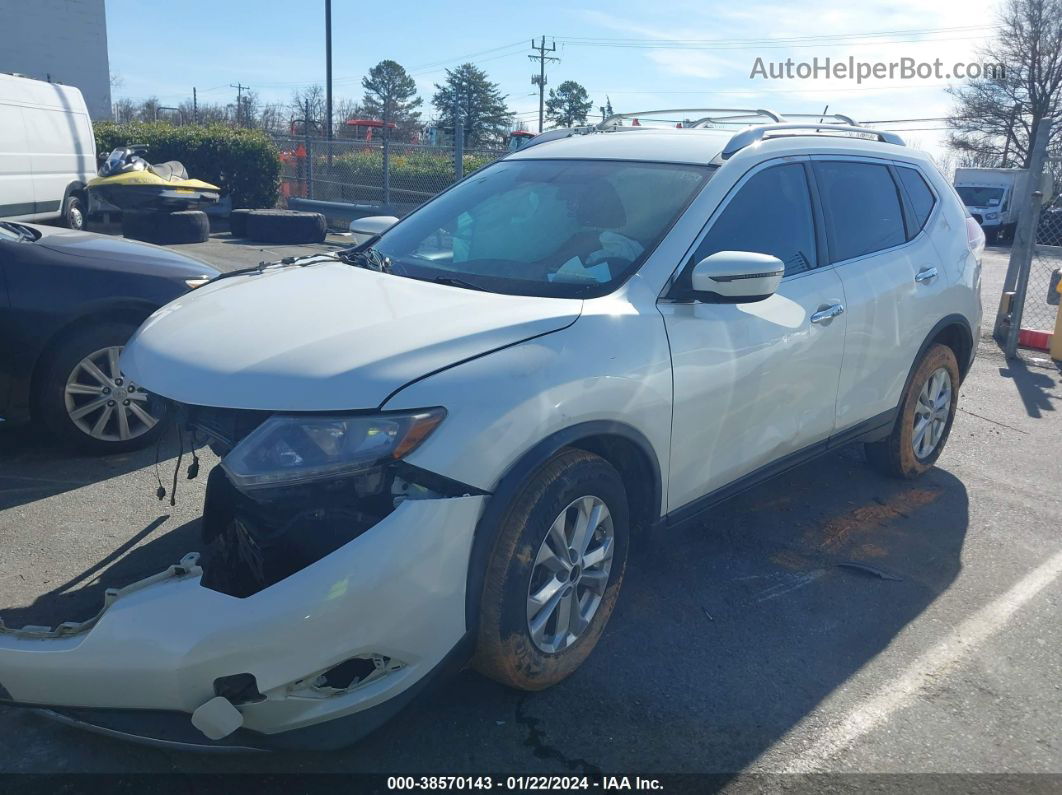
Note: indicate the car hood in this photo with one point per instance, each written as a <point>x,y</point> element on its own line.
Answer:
<point>327,336</point>
<point>122,255</point>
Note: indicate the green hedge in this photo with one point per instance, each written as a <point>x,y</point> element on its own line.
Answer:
<point>245,163</point>
<point>415,175</point>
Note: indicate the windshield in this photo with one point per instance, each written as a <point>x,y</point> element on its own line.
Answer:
<point>980,197</point>
<point>560,228</point>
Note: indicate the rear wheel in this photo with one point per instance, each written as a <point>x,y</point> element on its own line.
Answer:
<point>85,401</point>
<point>554,574</point>
<point>926,414</point>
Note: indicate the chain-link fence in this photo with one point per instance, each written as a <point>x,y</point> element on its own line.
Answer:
<point>1046,259</point>
<point>398,175</point>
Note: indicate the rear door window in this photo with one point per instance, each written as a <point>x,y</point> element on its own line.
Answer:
<point>862,208</point>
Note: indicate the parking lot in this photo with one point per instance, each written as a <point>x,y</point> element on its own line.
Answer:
<point>828,621</point>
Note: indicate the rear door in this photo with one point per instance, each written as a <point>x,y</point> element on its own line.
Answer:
<point>756,382</point>
<point>892,276</point>
<point>16,172</point>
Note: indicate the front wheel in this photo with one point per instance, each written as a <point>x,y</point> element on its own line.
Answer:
<point>926,414</point>
<point>555,573</point>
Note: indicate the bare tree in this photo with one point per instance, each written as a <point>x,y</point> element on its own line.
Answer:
<point>311,98</point>
<point>273,118</point>
<point>996,117</point>
<point>124,110</point>
<point>149,109</point>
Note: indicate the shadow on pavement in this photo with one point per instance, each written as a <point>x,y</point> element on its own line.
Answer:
<point>726,635</point>
<point>1034,386</point>
<point>33,466</point>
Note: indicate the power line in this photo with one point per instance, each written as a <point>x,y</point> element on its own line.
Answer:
<point>665,41</point>
<point>662,45</point>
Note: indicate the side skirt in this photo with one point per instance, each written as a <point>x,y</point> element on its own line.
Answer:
<point>871,430</point>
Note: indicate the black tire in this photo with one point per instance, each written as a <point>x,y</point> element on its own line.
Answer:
<point>182,226</point>
<point>139,226</point>
<point>50,396</point>
<point>286,226</point>
<point>505,650</point>
<point>74,212</point>
<point>238,223</point>
<point>895,455</point>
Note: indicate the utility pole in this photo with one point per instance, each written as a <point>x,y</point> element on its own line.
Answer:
<point>239,101</point>
<point>195,106</point>
<point>540,78</point>
<point>328,73</point>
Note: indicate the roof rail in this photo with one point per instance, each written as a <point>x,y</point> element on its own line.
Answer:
<point>822,117</point>
<point>706,115</point>
<point>753,134</point>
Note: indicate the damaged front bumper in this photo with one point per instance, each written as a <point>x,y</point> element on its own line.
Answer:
<point>315,659</point>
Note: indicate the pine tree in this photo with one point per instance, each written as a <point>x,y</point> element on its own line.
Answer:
<point>568,104</point>
<point>486,116</point>
<point>391,96</point>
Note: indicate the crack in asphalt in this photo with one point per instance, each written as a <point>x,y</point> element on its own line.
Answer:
<point>536,741</point>
<point>994,422</point>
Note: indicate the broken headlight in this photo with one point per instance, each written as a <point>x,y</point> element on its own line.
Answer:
<point>288,450</point>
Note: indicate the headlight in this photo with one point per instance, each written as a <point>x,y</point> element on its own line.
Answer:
<point>294,449</point>
<point>991,216</point>
<point>199,281</point>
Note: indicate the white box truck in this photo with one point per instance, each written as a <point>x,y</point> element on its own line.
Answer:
<point>994,197</point>
<point>47,151</point>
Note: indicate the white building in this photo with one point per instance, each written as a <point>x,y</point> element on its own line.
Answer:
<point>64,41</point>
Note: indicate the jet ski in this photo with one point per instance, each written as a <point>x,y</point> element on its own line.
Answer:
<point>129,183</point>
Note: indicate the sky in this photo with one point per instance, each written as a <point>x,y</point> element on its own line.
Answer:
<point>641,55</point>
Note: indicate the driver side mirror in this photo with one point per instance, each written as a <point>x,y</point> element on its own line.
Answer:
<point>736,277</point>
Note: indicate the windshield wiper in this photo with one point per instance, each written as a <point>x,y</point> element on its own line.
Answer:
<point>453,281</point>
<point>302,261</point>
<point>21,231</point>
<point>369,258</point>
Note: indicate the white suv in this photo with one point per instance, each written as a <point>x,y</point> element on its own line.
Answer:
<point>438,446</point>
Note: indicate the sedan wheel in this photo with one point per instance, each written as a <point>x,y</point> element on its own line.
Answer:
<point>85,401</point>
<point>103,404</point>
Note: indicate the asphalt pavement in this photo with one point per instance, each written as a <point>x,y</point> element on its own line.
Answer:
<point>829,621</point>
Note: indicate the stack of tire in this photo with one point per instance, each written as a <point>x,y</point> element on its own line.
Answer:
<point>166,228</point>
<point>278,226</point>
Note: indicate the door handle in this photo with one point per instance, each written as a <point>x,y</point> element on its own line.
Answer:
<point>926,275</point>
<point>827,314</point>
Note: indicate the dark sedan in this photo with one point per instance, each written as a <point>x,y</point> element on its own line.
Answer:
<point>69,301</point>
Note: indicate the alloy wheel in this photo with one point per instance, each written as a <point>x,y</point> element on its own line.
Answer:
<point>931,413</point>
<point>570,574</point>
<point>103,404</point>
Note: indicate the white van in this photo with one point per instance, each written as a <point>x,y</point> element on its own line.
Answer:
<point>47,151</point>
